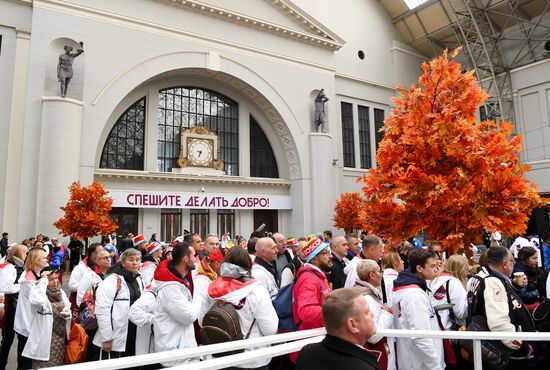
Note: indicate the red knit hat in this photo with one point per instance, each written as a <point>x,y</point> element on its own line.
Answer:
<point>313,247</point>
<point>138,239</point>
<point>153,247</point>
<point>216,255</point>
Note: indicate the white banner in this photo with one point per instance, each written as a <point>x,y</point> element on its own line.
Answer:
<point>159,199</point>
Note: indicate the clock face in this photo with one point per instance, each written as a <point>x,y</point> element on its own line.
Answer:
<point>199,152</point>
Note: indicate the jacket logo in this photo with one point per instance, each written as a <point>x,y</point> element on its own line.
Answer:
<point>497,295</point>
<point>440,293</point>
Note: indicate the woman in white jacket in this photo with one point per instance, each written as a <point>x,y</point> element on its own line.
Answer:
<point>392,265</point>
<point>450,288</point>
<point>257,315</point>
<point>51,324</point>
<point>369,280</point>
<point>36,260</point>
<point>114,296</point>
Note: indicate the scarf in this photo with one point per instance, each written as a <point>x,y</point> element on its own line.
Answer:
<point>56,300</point>
<point>206,270</point>
<point>369,289</point>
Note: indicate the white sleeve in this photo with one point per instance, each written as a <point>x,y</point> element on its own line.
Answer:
<point>286,277</point>
<point>497,310</point>
<point>264,313</point>
<point>8,285</point>
<point>178,306</point>
<point>141,312</point>
<point>37,294</point>
<point>83,286</point>
<point>104,299</point>
<point>457,294</point>
<point>76,276</point>
<point>382,318</point>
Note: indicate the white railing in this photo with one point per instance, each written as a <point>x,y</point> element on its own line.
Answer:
<point>283,344</point>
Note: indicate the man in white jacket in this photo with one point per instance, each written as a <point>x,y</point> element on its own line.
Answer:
<point>176,307</point>
<point>264,269</point>
<point>372,250</point>
<point>413,310</point>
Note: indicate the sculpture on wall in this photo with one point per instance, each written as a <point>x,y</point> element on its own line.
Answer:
<point>319,117</point>
<point>65,66</point>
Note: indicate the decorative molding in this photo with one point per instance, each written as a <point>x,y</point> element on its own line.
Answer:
<point>61,99</point>
<point>23,33</point>
<point>363,81</point>
<point>22,2</point>
<point>102,173</point>
<point>320,36</point>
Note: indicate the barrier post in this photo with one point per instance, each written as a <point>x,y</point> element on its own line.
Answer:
<point>477,355</point>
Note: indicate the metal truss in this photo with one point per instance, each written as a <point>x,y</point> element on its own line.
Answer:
<point>495,49</point>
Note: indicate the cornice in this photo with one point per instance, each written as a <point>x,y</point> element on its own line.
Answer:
<point>165,177</point>
<point>320,36</point>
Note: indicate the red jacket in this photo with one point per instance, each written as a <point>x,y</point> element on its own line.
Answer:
<point>308,294</point>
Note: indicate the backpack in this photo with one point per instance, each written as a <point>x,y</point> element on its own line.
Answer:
<point>75,350</point>
<point>283,305</point>
<point>86,310</point>
<point>222,324</point>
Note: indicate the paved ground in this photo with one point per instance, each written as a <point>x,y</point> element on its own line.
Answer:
<point>12,361</point>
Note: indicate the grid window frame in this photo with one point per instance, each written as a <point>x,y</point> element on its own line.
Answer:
<point>348,141</point>
<point>124,148</point>
<point>226,222</point>
<point>185,107</point>
<point>364,136</point>
<point>170,223</point>
<point>379,117</point>
<point>199,222</point>
<point>262,158</point>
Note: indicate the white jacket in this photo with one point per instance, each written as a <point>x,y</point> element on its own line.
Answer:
<point>413,311</point>
<point>257,306</point>
<point>389,275</point>
<point>112,327</point>
<point>457,296</point>
<point>351,271</point>
<point>383,320</point>
<point>8,285</point>
<point>266,278</point>
<point>200,287</point>
<point>147,272</point>
<point>88,279</point>
<point>40,337</point>
<point>174,314</point>
<point>77,274</point>
<point>141,314</point>
<point>23,316</point>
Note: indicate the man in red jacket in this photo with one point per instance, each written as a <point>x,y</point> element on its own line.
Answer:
<point>311,287</point>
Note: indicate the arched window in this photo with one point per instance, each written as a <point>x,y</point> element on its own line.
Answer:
<point>184,107</point>
<point>262,159</point>
<point>125,146</point>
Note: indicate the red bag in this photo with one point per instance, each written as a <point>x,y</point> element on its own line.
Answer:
<point>380,351</point>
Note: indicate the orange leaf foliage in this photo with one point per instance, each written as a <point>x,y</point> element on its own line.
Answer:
<point>87,212</point>
<point>440,171</point>
<point>346,211</point>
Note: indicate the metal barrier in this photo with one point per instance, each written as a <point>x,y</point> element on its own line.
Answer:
<point>283,344</point>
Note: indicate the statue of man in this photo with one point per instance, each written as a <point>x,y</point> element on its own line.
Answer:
<point>65,66</point>
<point>319,118</point>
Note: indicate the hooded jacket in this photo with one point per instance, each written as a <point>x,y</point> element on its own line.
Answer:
<point>257,305</point>
<point>111,309</point>
<point>413,310</point>
<point>175,310</point>
<point>457,297</point>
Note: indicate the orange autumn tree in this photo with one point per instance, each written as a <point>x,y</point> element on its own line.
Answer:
<point>346,212</point>
<point>441,172</point>
<point>87,212</point>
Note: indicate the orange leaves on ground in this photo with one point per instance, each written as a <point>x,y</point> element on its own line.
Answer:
<point>346,211</point>
<point>440,171</point>
<point>87,212</point>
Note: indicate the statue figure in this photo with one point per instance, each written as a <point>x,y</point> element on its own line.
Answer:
<point>319,118</point>
<point>65,66</point>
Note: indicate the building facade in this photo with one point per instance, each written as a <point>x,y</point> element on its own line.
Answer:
<point>248,70</point>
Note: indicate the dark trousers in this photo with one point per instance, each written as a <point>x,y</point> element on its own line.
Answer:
<point>75,258</point>
<point>23,362</point>
<point>8,334</point>
<point>92,352</point>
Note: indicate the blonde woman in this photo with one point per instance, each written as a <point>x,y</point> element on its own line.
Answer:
<point>450,288</point>
<point>37,259</point>
<point>392,265</point>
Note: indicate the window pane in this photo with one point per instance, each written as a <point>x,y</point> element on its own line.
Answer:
<point>198,106</point>
<point>378,123</point>
<point>123,148</point>
<point>364,136</point>
<point>262,159</point>
<point>347,135</point>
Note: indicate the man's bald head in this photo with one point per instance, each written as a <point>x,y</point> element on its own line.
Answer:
<point>266,249</point>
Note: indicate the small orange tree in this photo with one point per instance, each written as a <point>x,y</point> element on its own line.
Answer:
<point>346,212</point>
<point>440,171</point>
<point>87,212</point>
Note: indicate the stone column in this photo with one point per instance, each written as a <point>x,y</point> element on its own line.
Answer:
<point>322,185</point>
<point>59,160</point>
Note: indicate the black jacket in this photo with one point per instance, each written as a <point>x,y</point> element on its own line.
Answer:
<point>334,353</point>
<point>337,275</point>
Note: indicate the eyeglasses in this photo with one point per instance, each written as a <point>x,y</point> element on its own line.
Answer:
<point>324,251</point>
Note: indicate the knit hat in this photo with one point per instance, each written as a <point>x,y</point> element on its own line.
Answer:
<point>153,247</point>
<point>291,243</point>
<point>216,255</point>
<point>313,247</point>
<point>138,239</point>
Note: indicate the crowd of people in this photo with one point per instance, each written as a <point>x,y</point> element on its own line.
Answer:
<point>144,296</point>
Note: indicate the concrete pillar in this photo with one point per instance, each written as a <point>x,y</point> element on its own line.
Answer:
<point>322,186</point>
<point>10,213</point>
<point>58,164</point>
